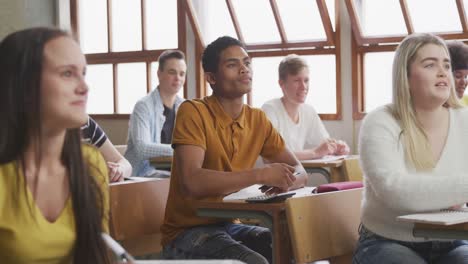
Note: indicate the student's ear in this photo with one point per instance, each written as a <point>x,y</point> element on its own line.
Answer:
<point>159,74</point>
<point>210,78</point>
<point>281,83</point>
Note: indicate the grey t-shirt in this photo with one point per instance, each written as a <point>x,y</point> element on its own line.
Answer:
<point>166,132</point>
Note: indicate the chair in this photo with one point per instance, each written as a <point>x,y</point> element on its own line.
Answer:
<point>351,169</point>
<point>137,213</point>
<point>324,226</point>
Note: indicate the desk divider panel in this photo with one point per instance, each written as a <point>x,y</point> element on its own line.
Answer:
<point>324,226</point>
<point>137,212</point>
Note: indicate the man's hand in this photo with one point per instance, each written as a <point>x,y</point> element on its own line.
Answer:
<point>279,175</point>
<point>341,148</point>
<point>115,172</point>
<point>327,147</point>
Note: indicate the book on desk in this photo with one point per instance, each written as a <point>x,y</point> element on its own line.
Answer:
<point>439,217</point>
<point>255,190</point>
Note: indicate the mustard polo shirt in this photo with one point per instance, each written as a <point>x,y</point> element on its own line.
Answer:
<point>31,238</point>
<point>230,145</point>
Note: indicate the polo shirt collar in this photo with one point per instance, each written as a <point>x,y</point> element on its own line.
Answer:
<point>222,118</point>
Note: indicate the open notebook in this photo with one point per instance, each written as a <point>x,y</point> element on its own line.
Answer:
<point>254,190</point>
<point>441,217</point>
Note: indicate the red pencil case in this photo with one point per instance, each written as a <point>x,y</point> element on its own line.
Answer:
<point>338,186</point>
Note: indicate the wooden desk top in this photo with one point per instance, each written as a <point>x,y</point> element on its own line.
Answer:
<point>305,163</point>
<point>327,164</point>
<point>462,226</point>
<point>241,205</point>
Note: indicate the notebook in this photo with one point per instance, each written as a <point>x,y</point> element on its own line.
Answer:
<point>441,217</point>
<point>254,190</point>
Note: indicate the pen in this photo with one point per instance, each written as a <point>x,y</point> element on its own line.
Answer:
<point>266,188</point>
<point>118,250</point>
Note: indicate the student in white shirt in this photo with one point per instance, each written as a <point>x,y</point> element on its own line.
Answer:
<point>297,122</point>
<point>413,155</point>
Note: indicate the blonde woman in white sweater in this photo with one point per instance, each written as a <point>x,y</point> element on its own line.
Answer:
<point>413,154</point>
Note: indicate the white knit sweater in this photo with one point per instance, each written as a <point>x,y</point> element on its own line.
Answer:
<point>392,188</point>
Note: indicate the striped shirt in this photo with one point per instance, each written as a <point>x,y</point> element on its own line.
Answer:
<point>92,133</point>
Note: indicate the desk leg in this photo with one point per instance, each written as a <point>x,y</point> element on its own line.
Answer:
<point>281,242</point>
<point>337,174</point>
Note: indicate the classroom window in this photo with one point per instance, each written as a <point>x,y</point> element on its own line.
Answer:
<point>322,92</point>
<point>378,79</point>
<point>378,28</point>
<point>100,82</point>
<point>122,40</point>
<point>272,29</point>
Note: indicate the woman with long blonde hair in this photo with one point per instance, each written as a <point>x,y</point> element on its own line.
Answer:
<point>413,155</point>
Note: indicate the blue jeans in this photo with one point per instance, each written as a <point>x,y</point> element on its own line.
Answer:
<point>250,244</point>
<point>373,248</point>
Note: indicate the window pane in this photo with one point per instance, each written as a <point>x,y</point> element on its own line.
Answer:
<point>101,92</point>
<point>93,26</point>
<point>265,80</point>
<point>322,90</point>
<point>301,20</point>
<point>126,25</point>
<point>155,80</point>
<point>257,21</point>
<point>379,18</point>
<point>214,19</point>
<point>322,84</point>
<point>154,75</point>
<point>377,79</point>
<point>161,24</point>
<point>131,85</point>
<point>434,15</point>
<point>465,5</point>
<point>331,11</point>
<point>209,91</point>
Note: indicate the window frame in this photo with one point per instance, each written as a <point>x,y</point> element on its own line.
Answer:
<point>362,44</point>
<point>329,46</point>
<point>114,58</point>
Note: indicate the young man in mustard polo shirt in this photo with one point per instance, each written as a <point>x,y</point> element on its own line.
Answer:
<point>216,142</point>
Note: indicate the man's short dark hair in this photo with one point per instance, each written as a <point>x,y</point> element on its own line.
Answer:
<point>210,58</point>
<point>458,55</point>
<point>169,54</point>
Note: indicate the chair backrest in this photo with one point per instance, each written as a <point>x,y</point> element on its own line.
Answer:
<point>137,213</point>
<point>121,148</point>
<point>352,169</point>
<point>325,225</point>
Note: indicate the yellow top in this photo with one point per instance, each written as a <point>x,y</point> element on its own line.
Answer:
<point>30,238</point>
<point>464,100</point>
<point>230,145</point>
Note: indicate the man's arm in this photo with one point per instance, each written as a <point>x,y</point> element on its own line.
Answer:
<point>118,166</point>
<point>329,146</point>
<point>199,182</point>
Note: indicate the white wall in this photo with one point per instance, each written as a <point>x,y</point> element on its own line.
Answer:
<point>21,14</point>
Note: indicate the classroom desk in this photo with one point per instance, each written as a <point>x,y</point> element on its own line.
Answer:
<point>335,174</point>
<point>272,215</point>
<point>161,162</point>
<point>433,231</point>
